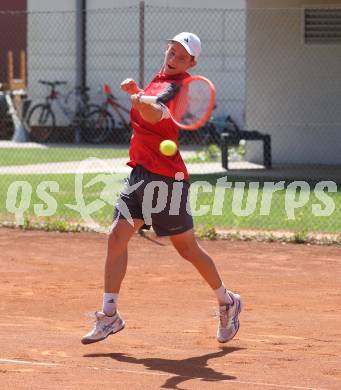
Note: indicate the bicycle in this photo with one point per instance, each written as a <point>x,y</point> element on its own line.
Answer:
<point>41,118</point>
<point>206,135</point>
<point>103,122</point>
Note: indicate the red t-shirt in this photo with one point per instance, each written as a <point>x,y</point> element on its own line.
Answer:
<point>146,138</point>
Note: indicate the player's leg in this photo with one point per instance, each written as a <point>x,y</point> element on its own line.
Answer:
<point>109,320</point>
<point>229,303</point>
<point>179,226</point>
<point>189,248</point>
<point>116,259</point>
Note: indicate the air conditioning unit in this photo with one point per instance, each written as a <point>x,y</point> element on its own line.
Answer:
<point>322,25</point>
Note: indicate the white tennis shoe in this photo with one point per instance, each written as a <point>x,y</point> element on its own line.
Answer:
<point>228,319</point>
<point>104,327</point>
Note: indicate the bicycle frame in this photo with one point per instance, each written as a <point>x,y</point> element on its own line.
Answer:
<point>61,102</point>
<point>117,107</point>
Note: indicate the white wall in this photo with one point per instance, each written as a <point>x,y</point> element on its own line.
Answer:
<point>49,5</point>
<point>223,4</point>
<point>293,89</point>
<point>113,46</point>
<point>51,44</point>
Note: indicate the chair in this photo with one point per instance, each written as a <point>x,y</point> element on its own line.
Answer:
<point>232,135</point>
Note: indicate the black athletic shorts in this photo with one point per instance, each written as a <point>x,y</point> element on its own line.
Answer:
<point>160,201</point>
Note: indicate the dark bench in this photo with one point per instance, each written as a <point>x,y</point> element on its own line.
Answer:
<point>232,135</point>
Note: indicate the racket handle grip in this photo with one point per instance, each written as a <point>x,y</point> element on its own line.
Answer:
<point>148,99</point>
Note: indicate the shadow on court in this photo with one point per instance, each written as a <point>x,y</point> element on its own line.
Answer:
<point>183,369</point>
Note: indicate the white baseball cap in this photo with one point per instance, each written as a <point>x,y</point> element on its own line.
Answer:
<point>189,41</point>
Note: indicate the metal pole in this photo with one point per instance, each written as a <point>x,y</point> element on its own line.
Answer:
<point>81,55</point>
<point>83,43</point>
<point>141,45</point>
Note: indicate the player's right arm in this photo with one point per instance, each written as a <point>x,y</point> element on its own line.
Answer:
<point>151,113</point>
<point>155,112</point>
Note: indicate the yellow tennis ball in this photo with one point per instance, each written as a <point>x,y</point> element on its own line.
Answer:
<point>168,147</point>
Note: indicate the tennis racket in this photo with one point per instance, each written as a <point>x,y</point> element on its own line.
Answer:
<point>191,102</point>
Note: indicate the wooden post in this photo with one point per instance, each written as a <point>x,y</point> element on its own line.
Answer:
<point>10,68</point>
<point>23,67</point>
<point>13,83</point>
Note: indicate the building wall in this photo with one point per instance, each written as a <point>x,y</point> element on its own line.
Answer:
<point>293,89</point>
<point>12,33</point>
<point>113,43</point>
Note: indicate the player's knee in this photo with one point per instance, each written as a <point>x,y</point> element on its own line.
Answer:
<point>116,240</point>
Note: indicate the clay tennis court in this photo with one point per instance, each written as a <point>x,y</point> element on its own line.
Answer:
<point>50,283</point>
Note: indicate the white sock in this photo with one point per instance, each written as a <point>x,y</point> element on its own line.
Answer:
<point>109,303</point>
<point>222,295</point>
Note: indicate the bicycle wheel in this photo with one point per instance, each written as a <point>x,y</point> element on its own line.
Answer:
<point>97,126</point>
<point>89,108</point>
<point>40,123</point>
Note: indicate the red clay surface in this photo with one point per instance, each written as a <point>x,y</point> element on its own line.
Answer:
<point>290,335</point>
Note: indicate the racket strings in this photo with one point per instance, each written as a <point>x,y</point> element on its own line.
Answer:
<point>193,102</point>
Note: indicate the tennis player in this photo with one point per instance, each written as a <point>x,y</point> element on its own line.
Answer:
<point>151,125</point>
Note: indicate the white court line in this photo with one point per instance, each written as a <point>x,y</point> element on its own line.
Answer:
<point>282,336</point>
<point>273,336</point>
<point>28,362</point>
<point>228,381</point>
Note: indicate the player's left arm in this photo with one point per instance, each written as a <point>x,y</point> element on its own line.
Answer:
<point>130,86</point>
